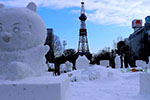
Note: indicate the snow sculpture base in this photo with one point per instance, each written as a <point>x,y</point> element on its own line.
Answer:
<point>145,83</point>
<point>39,88</point>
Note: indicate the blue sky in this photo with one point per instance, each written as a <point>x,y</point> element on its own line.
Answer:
<point>107,20</point>
<point>66,25</point>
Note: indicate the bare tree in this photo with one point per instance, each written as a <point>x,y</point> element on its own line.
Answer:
<point>68,52</point>
<point>57,46</point>
<point>54,44</point>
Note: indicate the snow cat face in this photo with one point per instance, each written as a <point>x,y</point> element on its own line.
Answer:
<point>21,28</point>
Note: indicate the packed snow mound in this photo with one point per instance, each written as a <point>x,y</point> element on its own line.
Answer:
<point>22,35</point>
<point>95,72</point>
<point>82,62</point>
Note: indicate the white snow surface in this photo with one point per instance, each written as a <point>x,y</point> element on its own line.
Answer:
<point>111,84</point>
<point>22,35</point>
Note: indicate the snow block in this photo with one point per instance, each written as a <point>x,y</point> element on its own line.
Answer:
<point>145,83</point>
<point>34,89</point>
<point>140,63</point>
<point>104,62</point>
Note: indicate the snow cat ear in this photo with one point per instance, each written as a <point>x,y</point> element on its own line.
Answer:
<point>2,6</point>
<point>32,6</point>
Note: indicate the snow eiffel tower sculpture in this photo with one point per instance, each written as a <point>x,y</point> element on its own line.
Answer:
<point>83,47</point>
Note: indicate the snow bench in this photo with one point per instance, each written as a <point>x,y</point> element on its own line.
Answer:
<point>39,88</point>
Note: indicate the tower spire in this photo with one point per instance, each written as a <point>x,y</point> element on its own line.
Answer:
<point>83,47</point>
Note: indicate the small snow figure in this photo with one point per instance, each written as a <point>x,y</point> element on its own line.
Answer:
<point>117,61</point>
<point>63,68</point>
<point>22,34</point>
<point>69,66</point>
<point>51,68</point>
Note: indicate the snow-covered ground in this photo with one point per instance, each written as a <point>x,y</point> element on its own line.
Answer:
<point>96,83</point>
<point>112,84</point>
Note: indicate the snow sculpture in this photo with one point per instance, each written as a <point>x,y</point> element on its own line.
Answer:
<point>139,63</point>
<point>68,66</point>
<point>82,62</point>
<point>22,35</point>
<point>63,68</point>
<point>117,61</point>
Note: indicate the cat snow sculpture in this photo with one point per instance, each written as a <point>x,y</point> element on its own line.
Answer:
<point>22,35</point>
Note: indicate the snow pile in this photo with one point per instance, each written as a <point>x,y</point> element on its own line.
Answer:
<point>22,34</point>
<point>95,72</point>
<point>67,67</point>
<point>82,62</point>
